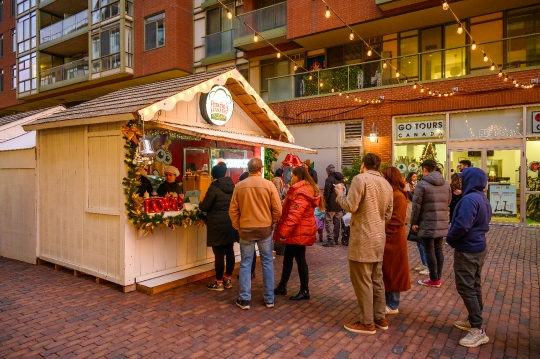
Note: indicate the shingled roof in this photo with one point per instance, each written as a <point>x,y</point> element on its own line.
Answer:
<point>9,119</point>
<point>130,99</point>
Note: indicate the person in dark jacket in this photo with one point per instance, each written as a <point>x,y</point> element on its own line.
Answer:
<point>146,185</point>
<point>311,171</point>
<point>467,236</point>
<point>334,212</point>
<point>220,234</point>
<point>297,228</point>
<point>170,185</point>
<point>429,218</point>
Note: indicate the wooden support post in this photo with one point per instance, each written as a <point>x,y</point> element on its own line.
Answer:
<point>57,267</point>
<point>76,273</point>
<point>129,288</point>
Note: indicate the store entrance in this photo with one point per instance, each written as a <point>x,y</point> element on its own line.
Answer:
<point>503,169</point>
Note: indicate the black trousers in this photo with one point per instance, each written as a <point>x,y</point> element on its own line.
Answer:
<point>222,252</point>
<point>434,256</point>
<point>297,252</point>
<point>468,271</point>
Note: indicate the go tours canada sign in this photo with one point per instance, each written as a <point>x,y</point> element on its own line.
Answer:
<point>417,130</point>
<point>217,105</point>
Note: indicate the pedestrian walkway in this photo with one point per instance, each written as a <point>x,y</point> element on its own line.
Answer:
<point>52,314</point>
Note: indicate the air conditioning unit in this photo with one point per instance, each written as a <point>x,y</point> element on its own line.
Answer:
<point>239,2</point>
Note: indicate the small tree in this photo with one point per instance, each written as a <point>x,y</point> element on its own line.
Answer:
<point>429,153</point>
<point>350,172</point>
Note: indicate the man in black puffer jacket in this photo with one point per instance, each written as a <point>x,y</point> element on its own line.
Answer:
<point>334,211</point>
<point>429,218</point>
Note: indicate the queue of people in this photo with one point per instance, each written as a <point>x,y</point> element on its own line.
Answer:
<point>384,208</point>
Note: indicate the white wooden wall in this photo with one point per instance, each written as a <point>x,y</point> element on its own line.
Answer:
<point>80,172</point>
<point>18,210</point>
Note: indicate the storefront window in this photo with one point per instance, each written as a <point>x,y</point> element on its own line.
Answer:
<point>532,207</point>
<point>408,157</point>
<point>487,124</point>
<point>533,121</point>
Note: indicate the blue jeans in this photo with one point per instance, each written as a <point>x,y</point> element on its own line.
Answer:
<point>422,251</point>
<point>392,299</point>
<point>247,251</point>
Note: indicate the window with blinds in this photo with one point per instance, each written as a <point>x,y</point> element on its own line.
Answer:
<point>348,154</point>
<point>353,131</point>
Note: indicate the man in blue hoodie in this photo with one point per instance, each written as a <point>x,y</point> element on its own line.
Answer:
<point>467,236</point>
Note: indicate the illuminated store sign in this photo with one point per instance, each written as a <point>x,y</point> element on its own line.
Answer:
<point>420,130</point>
<point>217,106</point>
<point>233,162</point>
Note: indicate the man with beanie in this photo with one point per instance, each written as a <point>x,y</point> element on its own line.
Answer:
<point>467,236</point>
<point>334,212</point>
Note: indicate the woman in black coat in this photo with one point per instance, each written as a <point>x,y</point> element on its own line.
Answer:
<point>220,233</point>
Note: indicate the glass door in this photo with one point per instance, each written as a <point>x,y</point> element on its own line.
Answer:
<point>503,169</point>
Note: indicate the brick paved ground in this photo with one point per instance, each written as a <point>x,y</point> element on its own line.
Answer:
<point>54,314</point>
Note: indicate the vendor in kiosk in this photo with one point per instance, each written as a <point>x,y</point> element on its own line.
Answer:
<point>170,185</point>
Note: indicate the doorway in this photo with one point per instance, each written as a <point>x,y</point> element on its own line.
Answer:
<point>503,169</point>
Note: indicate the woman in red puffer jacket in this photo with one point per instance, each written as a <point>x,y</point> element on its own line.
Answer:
<point>297,228</point>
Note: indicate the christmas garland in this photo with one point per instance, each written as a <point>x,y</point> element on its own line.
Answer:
<point>134,203</point>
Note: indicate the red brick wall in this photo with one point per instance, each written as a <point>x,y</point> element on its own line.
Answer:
<point>178,50</point>
<point>8,96</point>
<point>476,92</point>
<point>305,17</point>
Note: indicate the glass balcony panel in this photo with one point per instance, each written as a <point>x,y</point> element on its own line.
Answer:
<point>64,27</point>
<point>523,51</point>
<point>455,62</point>
<point>220,43</point>
<point>432,66</point>
<point>267,18</point>
<point>71,70</point>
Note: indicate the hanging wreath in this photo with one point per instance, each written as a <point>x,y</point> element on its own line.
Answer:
<point>135,204</point>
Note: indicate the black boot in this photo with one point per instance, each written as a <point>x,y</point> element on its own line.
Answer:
<point>302,294</point>
<point>280,290</point>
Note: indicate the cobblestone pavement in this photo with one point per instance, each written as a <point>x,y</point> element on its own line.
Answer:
<point>47,313</point>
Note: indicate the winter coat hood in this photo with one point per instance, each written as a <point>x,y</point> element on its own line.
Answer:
<point>473,180</point>
<point>435,178</point>
<point>225,184</point>
<point>303,188</point>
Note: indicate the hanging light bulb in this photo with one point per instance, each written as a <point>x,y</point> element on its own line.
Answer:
<point>369,52</point>
<point>473,46</point>
<point>347,96</point>
<point>492,66</point>
<point>351,36</point>
<point>255,37</point>
<point>229,14</point>
<point>340,93</point>
<point>506,78</point>
<point>430,92</point>
<point>500,73</point>
<point>321,84</point>
<point>332,90</point>
<point>485,57</point>
<point>295,67</point>
<point>327,13</point>
<point>278,55</point>
<point>460,29</point>
<point>384,65</point>
<point>514,81</point>
<point>414,86</point>
<point>517,85</point>
<point>445,5</point>
<point>397,73</point>
<point>422,89</point>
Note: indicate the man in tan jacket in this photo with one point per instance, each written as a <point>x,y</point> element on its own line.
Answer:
<point>255,207</point>
<point>370,200</point>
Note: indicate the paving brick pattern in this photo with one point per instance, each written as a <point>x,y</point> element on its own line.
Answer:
<point>48,313</point>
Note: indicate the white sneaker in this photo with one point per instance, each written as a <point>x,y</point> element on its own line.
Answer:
<point>474,338</point>
<point>420,268</point>
<point>463,324</point>
<point>389,310</point>
<point>424,272</point>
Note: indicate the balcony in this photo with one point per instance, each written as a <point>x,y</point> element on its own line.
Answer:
<point>66,37</point>
<point>66,74</point>
<point>64,27</point>
<point>219,47</point>
<point>520,52</point>
<point>270,22</point>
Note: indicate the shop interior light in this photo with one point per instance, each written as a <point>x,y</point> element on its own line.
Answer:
<point>374,134</point>
<point>351,36</point>
<point>327,13</point>
<point>473,46</point>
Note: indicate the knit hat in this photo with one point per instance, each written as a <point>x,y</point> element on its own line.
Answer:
<point>331,168</point>
<point>171,169</point>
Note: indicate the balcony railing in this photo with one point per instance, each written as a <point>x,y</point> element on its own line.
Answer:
<point>521,52</point>
<point>64,27</point>
<point>220,43</point>
<point>68,71</point>
<point>267,18</point>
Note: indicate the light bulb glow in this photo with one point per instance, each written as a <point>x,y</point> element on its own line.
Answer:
<point>229,14</point>
<point>422,89</point>
<point>506,78</point>
<point>414,86</point>
<point>473,46</point>
<point>278,55</point>
<point>492,66</point>
<point>351,36</point>
<point>397,73</point>
<point>295,67</point>
<point>460,29</point>
<point>256,37</point>
<point>445,5</point>
<point>321,84</point>
<point>485,57</point>
<point>310,77</point>
<point>369,52</point>
<point>327,13</point>
<point>500,73</point>
<point>154,108</point>
<point>384,65</point>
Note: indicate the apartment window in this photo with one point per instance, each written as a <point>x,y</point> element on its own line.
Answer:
<point>408,45</point>
<point>154,31</point>
<point>523,51</point>
<point>218,31</point>
<point>1,11</point>
<point>455,60</point>
<point>129,45</point>
<point>26,76</point>
<point>104,9</point>
<point>431,40</point>
<point>25,5</point>
<point>14,77</point>
<point>26,32</point>
<point>1,46</point>
<point>129,7</point>
<point>106,48</point>
<point>484,29</point>
<point>13,40</point>
<point>1,80</point>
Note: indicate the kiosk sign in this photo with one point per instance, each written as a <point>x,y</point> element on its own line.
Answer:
<point>217,106</point>
<point>535,122</point>
<point>420,130</point>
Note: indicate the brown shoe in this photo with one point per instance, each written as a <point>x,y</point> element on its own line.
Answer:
<point>358,327</point>
<point>381,324</point>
